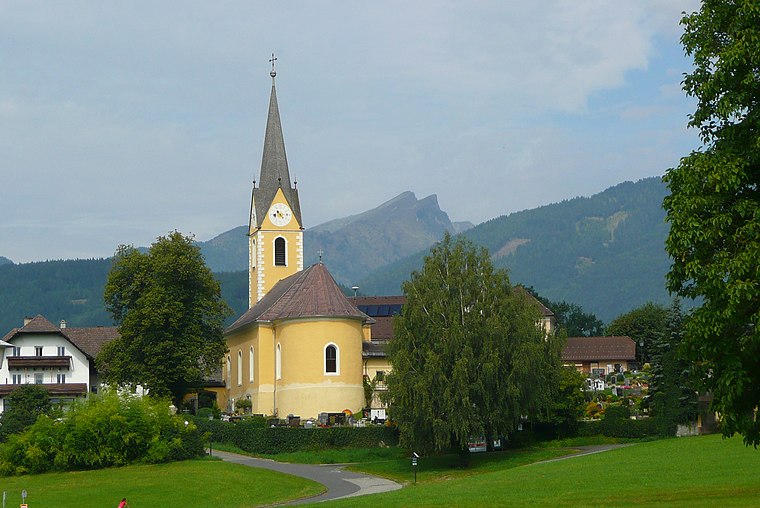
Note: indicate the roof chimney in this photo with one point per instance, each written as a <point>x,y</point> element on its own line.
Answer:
<point>27,320</point>
<point>63,324</point>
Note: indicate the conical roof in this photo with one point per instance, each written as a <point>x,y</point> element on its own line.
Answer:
<point>274,168</point>
<point>309,293</point>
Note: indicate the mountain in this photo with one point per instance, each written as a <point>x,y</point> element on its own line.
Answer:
<point>355,245</point>
<point>5,261</point>
<point>605,252</point>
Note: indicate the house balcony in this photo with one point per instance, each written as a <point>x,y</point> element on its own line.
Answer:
<point>54,389</point>
<point>23,362</point>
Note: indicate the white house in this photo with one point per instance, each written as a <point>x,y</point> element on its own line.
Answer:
<point>61,358</point>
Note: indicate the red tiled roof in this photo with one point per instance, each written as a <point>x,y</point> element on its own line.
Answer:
<point>308,293</point>
<point>599,348</point>
<point>91,339</point>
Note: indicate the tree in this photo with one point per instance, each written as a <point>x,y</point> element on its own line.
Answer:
<point>714,210</point>
<point>672,396</point>
<point>645,325</point>
<point>23,406</point>
<point>170,315</point>
<point>572,318</point>
<point>468,355</point>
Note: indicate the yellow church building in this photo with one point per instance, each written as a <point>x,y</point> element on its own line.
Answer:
<point>298,348</point>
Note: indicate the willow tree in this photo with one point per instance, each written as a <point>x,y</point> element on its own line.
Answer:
<point>170,315</point>
<point>714,210</point>
<point>469,355</point>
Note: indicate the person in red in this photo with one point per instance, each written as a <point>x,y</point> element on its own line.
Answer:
<point>123,503</point>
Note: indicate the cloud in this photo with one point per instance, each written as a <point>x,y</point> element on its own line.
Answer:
<point>121,122</point>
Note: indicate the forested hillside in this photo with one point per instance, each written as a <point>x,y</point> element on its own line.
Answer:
<point>69,290</point>
<point>605,252</point>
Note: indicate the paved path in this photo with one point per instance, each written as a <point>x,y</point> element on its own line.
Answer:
<point>585,450</point>
<point>339,482</point>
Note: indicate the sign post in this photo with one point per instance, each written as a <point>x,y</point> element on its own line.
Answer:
<point>414,465</point>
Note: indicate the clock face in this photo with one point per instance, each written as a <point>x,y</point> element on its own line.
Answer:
<point>280,214</point>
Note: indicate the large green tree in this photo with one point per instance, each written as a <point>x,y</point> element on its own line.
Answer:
<point>468,355</point>
<point>714,209</point>
<point>170,315</point>
<point>646,325</point>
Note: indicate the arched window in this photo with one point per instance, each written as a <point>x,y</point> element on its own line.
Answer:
<point>229,371</point>
<point>332,359</point>
<point>250,364</point>
<point>240,368</point>
<point>279,251</point>
<point>278,363</point>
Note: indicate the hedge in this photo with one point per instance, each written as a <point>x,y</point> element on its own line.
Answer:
<point>251,437</point>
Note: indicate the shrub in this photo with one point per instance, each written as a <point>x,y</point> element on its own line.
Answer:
<point>106,430</point>
<point>252,435</point>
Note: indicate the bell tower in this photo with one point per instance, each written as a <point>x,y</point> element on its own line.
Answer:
<point>275,229</point>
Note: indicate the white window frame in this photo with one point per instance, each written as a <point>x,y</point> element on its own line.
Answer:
<point>278,361</point>
<point>251,358</point>
<point>61,350</point>
<point>229,371</point>
<point>240,368</point>
<point>274,250</point>
<point>337,359</point>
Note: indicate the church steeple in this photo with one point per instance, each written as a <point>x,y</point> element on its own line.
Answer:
<point>275,230</point>
<point>274,166</point>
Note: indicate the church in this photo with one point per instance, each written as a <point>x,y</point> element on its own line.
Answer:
<point>297,350</point>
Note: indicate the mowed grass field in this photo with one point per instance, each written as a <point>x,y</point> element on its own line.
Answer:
<point>189,484</point>
<point>697,471</point>
<point>700,471</point>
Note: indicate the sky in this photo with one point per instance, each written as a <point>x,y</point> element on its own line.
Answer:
<point>122,121</point>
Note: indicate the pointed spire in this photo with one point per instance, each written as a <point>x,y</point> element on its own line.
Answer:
<point>274,162</point>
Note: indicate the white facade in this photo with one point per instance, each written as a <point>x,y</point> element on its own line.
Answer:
<point>60,359</point>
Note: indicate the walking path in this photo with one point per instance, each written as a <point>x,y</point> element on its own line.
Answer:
<point>339,482</point>
<point>585,450</point>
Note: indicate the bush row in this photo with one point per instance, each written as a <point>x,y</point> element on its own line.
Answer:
<point>252,437</point>
<point>105,430</point>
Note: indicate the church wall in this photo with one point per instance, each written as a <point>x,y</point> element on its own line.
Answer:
<point>305,389</point>
<point>261,388</point>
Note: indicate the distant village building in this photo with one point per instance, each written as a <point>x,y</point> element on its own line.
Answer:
<point>599,356</point>
<point>60,358</point>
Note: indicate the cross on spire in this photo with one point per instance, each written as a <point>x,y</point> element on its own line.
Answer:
<point>272,60</point>
<point>320,252</point>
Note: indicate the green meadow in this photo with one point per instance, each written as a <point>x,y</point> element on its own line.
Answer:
<point>700,471</point>
<point>697,471</point>
<point>194,483</point>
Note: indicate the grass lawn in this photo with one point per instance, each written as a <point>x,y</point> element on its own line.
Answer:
<point>196,483</point>
<point>698,471</point>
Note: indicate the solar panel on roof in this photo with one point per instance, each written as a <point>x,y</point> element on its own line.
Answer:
<point>371,310</point>
<point>394,310</point>
<point>362,308</point>
<point>382,310</point>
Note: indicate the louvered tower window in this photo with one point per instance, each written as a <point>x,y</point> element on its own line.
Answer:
<point>279,251</point>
